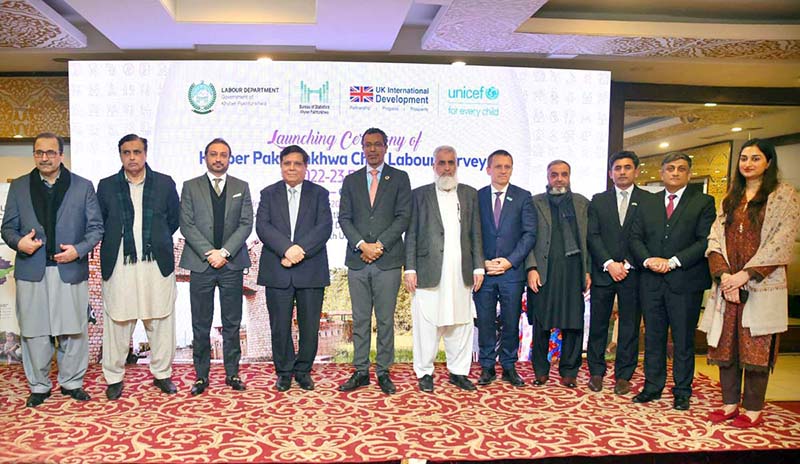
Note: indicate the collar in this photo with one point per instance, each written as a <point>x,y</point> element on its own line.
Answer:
<point>503,190</point>
<point>629,190</point>
<point>678,194</point>
<point>379,168</point>
<point>211,177</point>
<point>47,181</point>
<point>136,183</point>
<point>298,187</point>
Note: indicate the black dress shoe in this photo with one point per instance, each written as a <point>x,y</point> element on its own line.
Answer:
<point>510,375</point>
<point>199,386</point>
<point>596,383</point>
<point>76,394</point>
<point>426,383</point>
<point>462,382</point>
<point>541,380</point>
<point>165,385</point>
<point>386,384</point>
<point>569,382</point>
<point>235,382</point>
<point>681,403</point>
<point>304,380</point>
<point>114,391</point>
<point>646,397</point>
<point>35,399</point>
<point>283,383</point>
<point>487,376</point>
<point>358,379</point>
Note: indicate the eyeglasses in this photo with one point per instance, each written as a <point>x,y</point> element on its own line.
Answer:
<point>41,153</point>
<point>378,145</point>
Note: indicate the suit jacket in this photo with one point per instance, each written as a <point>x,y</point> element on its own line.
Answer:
<point>78,222</point>
<point>312,231</point>
<point>684,235</point>
<point>425,236</point>
<point>197,223</point>
<point>538,257</point>
<point>166,212</point>
<point>385,221</point>
<point>606,238</point>
<point>515,236</point>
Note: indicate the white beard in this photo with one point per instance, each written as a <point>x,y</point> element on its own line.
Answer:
<point>446,183</point>
<point>557,190</point>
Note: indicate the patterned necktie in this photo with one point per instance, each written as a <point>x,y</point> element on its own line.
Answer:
<point>623,207</point>
<point>498,207</point>
<point>373,186</point>
<point>217,180</point>
<point>292,210</point>
<point>671,205</point>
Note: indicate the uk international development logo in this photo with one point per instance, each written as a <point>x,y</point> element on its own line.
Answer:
<point>362,94</point>
<point>202,97</point>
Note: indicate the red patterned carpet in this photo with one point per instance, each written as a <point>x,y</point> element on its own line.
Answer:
<point>498,422</point>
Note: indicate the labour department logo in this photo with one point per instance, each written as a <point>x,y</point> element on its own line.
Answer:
<point>202,97</point>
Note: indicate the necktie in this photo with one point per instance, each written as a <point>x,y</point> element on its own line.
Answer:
<point>373,186</point>
<point>623,207</point>
<point>671,205</point>
<point>498,207</point>
<point>217,180</point>
<point>292,210</point>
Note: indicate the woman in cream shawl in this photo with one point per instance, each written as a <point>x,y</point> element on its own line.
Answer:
<point>749,247</point>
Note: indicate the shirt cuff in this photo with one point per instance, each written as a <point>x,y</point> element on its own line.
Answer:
<point>225,253</point>
<point>358,245</point>
<point>674,262</point>
<point>605,265</point>
<point>410,271</point>
<point>479,271</point>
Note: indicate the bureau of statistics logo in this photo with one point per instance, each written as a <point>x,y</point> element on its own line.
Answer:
<point>202,97</point>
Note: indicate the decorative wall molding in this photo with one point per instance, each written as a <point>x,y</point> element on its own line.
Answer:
<point>30,105</point>
<point>33,24</point>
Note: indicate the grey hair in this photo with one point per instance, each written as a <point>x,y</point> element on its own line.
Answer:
<point>441,148</point>
<point>675,156</point>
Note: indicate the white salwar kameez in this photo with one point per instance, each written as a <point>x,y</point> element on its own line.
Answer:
<point>138,292</point>
<point>444,311</point>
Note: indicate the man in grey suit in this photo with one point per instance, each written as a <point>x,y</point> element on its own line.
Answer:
<point>374,211</point>
<point>52,220</point>
<point>216,219</point>
<point>558,274</point>
<point>444,264</point>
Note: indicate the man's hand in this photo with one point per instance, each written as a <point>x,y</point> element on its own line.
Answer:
<point>478,281</point>
<point>28,244</point>
<point>735,281</point>
<point>215,258</point>
<point>534,281</point>
<point>659,265</point>
<point>617,271</point>
<point>731,296</point>
<point>410,281</point>
<point>497,266</point>
<point>588,283</point>
<point>295,254</point>
<point>286,263</point>
<point>371,251</point>
<point>68,254</point>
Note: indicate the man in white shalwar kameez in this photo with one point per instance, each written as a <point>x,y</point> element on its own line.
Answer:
<point>444,264</point>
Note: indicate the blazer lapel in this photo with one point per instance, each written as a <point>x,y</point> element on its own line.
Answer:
<point>230,190</point>
<point>204,190</point>
<point>303,207</point>
<point>633,204</point>
<point>507,202</point>
<point>683,204</point>
<point>434,205</point>
<point>485,202</point>
<point>385,177</point>
<point>544,209</point>
<point>283,207</point>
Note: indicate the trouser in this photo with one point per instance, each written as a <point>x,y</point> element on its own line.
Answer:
<point>116,340</point>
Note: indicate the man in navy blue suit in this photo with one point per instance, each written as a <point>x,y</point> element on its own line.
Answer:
<point>294,222</point>
<point>508,225</point>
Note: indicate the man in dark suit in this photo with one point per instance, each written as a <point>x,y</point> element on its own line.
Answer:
<point>374,211</point>
<point>52,220</point>
<point>508,228</point>
<point>611,215</point>
<point>141,212</point>
<point>216,219</point>
<point>558,275</point>
<point>668,241</point>
<point>444,264</point>
<point>294,222</point>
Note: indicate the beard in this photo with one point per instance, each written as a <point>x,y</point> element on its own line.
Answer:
<point>557,190</point>
<point>446,183</point>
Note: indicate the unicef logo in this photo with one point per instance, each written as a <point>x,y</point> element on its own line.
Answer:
<point>492,93</point>
<point>202,97</point>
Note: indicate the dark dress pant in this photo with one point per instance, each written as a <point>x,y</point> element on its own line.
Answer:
<point>509,295</point>
<point>280,305</point>
<point>630,319</point>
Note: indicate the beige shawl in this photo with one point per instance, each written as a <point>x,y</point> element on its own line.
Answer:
<point>765,311</point>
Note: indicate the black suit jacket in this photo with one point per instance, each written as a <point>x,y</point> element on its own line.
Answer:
<point>606,238</point>
<point>386,221</point>
<point>166,217</point>
<point>684,235</point>
<point>312,231</point>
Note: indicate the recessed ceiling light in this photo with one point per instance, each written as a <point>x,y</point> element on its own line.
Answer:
<point>18,136</point>
<point>691,156</point>
<point>459,63</point>
<point>264,59</point>
<point>663,145</point>
<point>710,104</point>
<point>736,129</point>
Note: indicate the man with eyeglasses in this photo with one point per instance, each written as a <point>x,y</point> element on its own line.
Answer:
<point>52,220</point>
<point>374,212</point>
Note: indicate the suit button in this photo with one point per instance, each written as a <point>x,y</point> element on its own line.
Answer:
<point>667,226</point>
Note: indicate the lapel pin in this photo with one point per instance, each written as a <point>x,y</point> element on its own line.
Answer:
<point>509,199</point>
<point>386,178</point>
<point>634,204</point>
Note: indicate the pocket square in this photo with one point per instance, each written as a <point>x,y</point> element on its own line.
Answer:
<point>237,195</point>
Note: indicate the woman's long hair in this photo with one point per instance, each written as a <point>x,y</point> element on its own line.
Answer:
<point>769,182</point>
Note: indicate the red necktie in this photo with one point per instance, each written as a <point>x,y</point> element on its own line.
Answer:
<point>671,205</point>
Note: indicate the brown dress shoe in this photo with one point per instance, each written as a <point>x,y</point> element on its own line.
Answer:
<point>622,387</point>
<point>540,380</point>
<point>596,383</point>
<point>570,382</point>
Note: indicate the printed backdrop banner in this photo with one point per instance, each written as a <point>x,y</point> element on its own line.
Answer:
<point>8,314</point>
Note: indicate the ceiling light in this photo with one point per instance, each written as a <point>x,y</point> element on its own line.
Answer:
<point>710,104</point>
<point>736,129</point>
<point>18,136</point>
<point>663,145</point>
<point>264,59</point>
<point>459,63</point>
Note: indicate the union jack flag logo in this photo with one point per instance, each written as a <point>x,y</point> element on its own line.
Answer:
<point>362,94</point>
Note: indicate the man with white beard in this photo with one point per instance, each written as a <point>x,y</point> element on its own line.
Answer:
<point>444,264</point>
